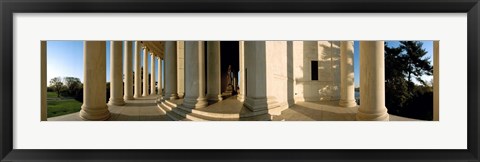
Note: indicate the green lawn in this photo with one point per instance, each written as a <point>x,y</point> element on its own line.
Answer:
<point>51,94</point>
<point>57,107</point>
<point>62,107</point>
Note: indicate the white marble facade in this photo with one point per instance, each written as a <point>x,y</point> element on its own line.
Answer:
<point>273,74</point>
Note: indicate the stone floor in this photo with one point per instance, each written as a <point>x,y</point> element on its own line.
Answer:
<point>145,109</point>
<point>141,109</point>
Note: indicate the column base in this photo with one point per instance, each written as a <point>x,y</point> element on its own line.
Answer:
<point>171,96</point>
<point>214,97</point>
<point>116,101</point>
<point>181,95</point>
<point>241,97</point>
<point>159,99</point>
<point>90,113</point>
<point>383,116</point>
<point>291,102</point>
<point>347,103</point>
<point>195,103</point>
<point>260,104</point>
<point>128,98</point>
<point>137,96</point>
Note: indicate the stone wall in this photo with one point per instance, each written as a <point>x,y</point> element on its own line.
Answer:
<point>327,87</point>
<point>276,71</point>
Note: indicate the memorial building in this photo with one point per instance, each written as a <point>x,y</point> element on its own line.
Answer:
<point>246,80</point>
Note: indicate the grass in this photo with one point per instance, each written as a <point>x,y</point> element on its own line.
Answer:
<point>52,95</point>
<point>61,106</point>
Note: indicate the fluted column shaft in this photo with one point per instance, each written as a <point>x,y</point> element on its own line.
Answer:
<point>372,81</point>
<point>128,88</point>
<point>145,72</point>
<point>436,50</point>
<point>347,86</point>
<point>138,74</point>
<point>195,75</point>
<point>159,86</point>
<point>152,73</point>
<point>171,70</point>
<point>213,71</point>
<point>181,69</point>
<point>116,85</point>
<point>241,58</point>
<point>43,82</point>
<point>94,106</point>
<point>255,53</point>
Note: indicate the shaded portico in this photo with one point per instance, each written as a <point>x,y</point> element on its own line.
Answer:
<point>263,86</point>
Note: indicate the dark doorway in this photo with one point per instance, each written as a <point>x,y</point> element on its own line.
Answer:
<point>229,55</point>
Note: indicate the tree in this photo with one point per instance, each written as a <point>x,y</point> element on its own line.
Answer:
<point>57,84</point>
<point>395,63</point>
<point>72,84</point>
<point>396,87</point>
<point>417,64</point>
<point>402,96</point>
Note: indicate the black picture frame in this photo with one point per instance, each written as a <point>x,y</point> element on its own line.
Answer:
<point>9,7</point>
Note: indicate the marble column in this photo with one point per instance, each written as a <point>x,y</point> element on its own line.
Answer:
<point>152,73</point>
<point>145,72</point>
<point>195,75</point>
<point>94,58</point>
<point>181,69</point>
<point>128,88</point>
<point>241,58</point>
<point>372,81</point>
<point>256,76</point>
<point>138,73</point>
<point>436,50</point>
<point>159,86</point>
<point>347,85</point>
<point>116,85</point>
<point>213,71</point>
<point>171,70</point>
<point>43,82</point>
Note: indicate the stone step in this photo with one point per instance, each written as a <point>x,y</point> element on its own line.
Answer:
<point>186,114</point>
<point>195,113</point>
<point>170,103</point>
<point>264,117</point>
<point>167,107</point>
<point>278,109</point>
<point>179,114</point>
<point>171,114</point>
<point>211,114</point>
<point>273,104</point>
<point>189,114</point>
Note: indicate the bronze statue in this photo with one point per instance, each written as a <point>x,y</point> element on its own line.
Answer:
<point>229,75</point>
<point>230,81</point>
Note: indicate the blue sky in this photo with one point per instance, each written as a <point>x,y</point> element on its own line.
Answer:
<point>427,45</point>
<point>65,58</point>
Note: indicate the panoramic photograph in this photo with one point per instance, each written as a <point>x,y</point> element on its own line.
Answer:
<point>339,80</point>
